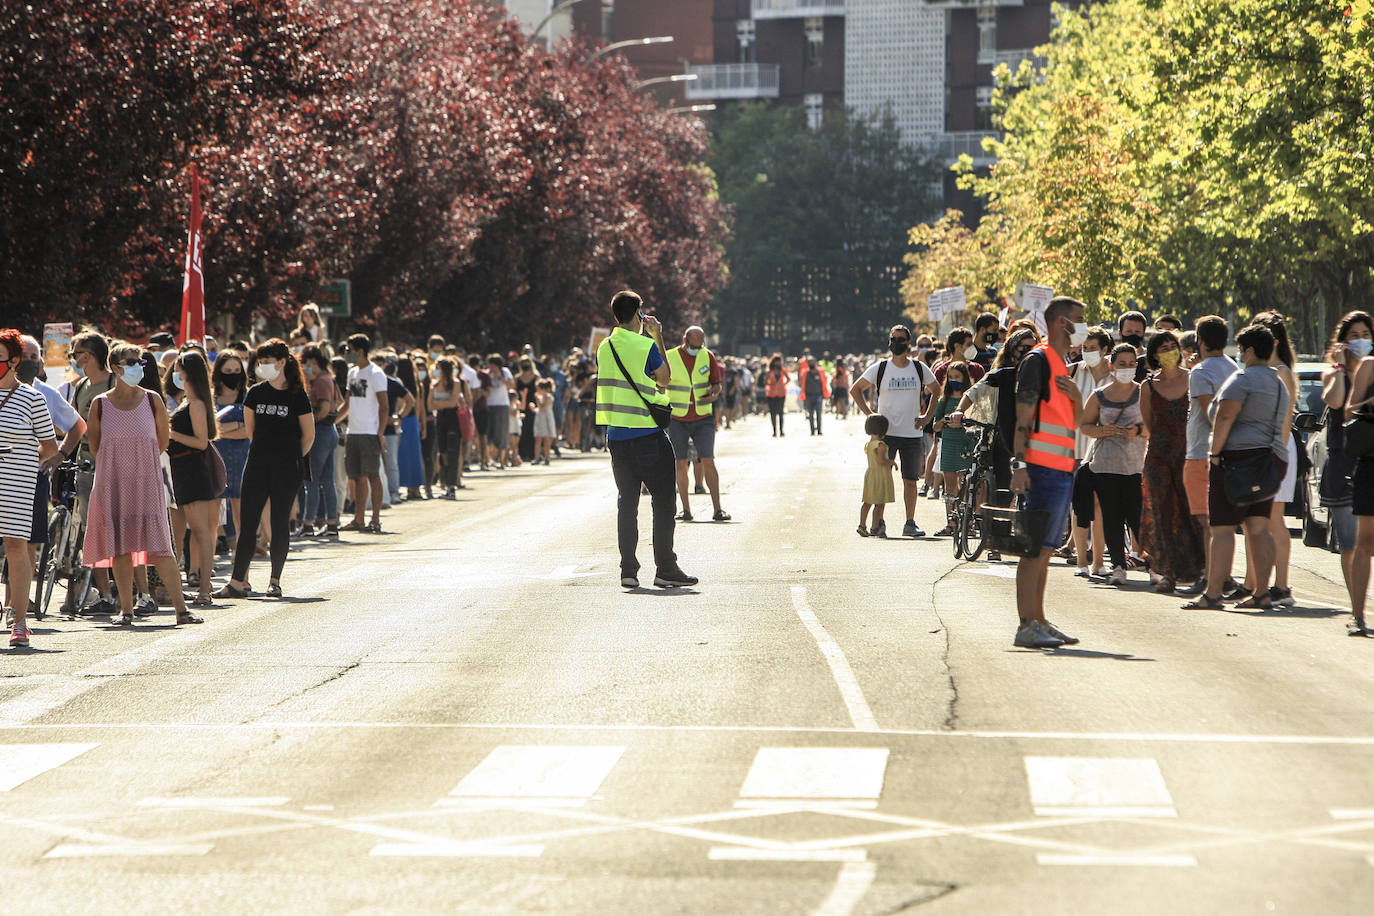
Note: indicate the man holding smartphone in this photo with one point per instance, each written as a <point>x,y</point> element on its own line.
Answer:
<point>632,373</point>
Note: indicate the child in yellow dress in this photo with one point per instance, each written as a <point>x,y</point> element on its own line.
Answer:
<point>878,489</point>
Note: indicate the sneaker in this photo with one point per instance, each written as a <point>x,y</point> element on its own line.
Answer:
<point>909,530</point>
<point>699,490</point>
<point>994,556</point>
<point>1059,634</point>
<point>332,532</point>
<point>673,578</point>
<point>105,607</point>
<point>879,530</point>
<point>307,531</point>
<point>1280,597</point>
<point>1082,572</point>
<point>1117,576</point>
<point>1239,593</point>
<point>19,636</point>
<point>1197,588</point>
<point>1034,636</point>
<point>629,582</point>
<point>144,605</point>
<point>1099,573</point>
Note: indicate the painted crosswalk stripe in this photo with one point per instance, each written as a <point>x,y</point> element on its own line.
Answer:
<point>148,850</point>
<point>749,854</point>
<point>547,774</point>
<point>1101,786</point>
<point>1352,814</point>
<point>266,801</point>
<point>457,850</point>
<point>21,762</point>
<point>843,776</point>
<point>1177,861</point>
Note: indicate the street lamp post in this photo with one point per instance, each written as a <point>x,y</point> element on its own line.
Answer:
<point>675,78</point>
<point>631,43</point>
<point>557,8</point>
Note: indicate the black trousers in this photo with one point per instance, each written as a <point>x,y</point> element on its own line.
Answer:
<point>449,444</point>
<point>1120,497</point>
<point>646,460</point>
<point>276,477</point>
<point>775,406</point>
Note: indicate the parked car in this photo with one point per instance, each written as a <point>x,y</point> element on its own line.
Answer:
<point>1310,427</point>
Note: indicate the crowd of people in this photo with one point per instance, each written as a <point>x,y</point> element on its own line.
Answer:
<point>1127,441</point>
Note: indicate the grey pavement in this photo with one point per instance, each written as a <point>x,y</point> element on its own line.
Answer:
<point>468,715</point>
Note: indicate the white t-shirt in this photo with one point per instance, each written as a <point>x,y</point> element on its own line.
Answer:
<point>499,395</point>
<point>363,386</point>
<point>64,415</point>
<point>900,397</point>
<point>469,375</point>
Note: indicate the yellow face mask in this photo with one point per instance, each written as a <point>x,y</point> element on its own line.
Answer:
<point>1169,359</point>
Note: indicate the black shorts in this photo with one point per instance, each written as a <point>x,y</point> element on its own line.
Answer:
<point>1362,501</point>
<point>1224,514</point>
<point>1083,491</point>
<point>39,534</point>
<point>910,452</point>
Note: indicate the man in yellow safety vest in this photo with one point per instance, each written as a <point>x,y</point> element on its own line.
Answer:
<point>695,384</point>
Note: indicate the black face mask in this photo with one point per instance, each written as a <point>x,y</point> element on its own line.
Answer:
<point>898,345</point>
<point>28,370</point>
<point>231,379</point>
<point>1134,340</point>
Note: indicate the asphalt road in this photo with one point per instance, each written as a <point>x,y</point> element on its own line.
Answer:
<point>467,714</point>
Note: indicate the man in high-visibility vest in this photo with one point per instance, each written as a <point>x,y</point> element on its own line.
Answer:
<point>631,370</point>
<point>1042,464</point>
<point>694,387</point>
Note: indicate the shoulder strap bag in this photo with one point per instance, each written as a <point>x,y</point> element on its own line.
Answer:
<point>1250,479</point>
<point>662,414</point>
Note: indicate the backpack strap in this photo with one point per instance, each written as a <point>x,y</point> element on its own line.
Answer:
<point>878,385</point>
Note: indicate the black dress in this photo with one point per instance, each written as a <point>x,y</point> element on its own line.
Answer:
<point>190,471</point>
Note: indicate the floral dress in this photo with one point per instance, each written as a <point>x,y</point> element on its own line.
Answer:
<point>1168,533</point>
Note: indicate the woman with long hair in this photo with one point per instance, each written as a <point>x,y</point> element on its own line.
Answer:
<point>1169,535</point>
<point>445,399</point>
<point>410,462</point>
<point>228,381</point>
<point>308,322</point>
<point>282,430</point>
<point>775,389</point>
<point>954,441</point>
<point>321,499</point>
<point>1352,342</point>
<point>192,431</point>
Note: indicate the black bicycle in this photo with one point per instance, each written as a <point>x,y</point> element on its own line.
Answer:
<point>60,560</point>
<point>977,487</point>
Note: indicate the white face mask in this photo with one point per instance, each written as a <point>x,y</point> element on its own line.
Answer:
<point>132,375</point>
<point>1125,375</point>
<point>1361,346</point>
<point>268,371</point>
<point>970,351</point>
<point>177,381</point>
<point>1092,358</point>
<point>1078,334</point>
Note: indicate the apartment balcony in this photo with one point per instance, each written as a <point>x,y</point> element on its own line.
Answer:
<point>1012,57</point>
<point>969,4</point>
<point>948,147</point>
<point>733,81</point>
<point>796,9</point>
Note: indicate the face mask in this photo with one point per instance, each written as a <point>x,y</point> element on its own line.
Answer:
<point>1134,340</point>
<point>1170,358</point>
<point>434,356</point>
<point>310,371</point>
<point>434,375</point>
<point>28,370</point>
<point>4,369</point>
<point>80,373</point>
<point>132,375</point>
<point>693,351</point>
<point>970,351</point>
<point>296,351</point>
<point>997,346</point>
<point>177,382</point>
<point>1361,346</point>
<point>268,371</point>
<point>1125,375</point>
<point>1092,358</point>
<point>231,379</point>
<point>955,386</point>
<point>1078,334</point>
<point>898,346</point>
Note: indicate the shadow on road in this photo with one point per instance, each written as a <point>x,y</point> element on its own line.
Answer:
<point>1314,613</point>
<point>1066,652</point>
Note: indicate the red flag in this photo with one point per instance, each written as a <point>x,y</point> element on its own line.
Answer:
<point>193,287</point>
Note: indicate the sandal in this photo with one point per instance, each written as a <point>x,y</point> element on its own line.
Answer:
<point>684,516</point>
<point>945,532</point>
<point>1255,603</point>
<point>373,528</point>
<point>721,516</point>
<point>230,590</point>
<point>1204,602</point>
<point>188,617</point>
<point>122,620</point>
<point>353,526</point>
<point>202,601</point>
<point>273,590</point>
<point>1165,586</point>
<point>863,532</point>
<point>1357,628</point>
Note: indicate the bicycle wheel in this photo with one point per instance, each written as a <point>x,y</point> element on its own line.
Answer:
<point>49,562</point>
<point>971,499</point>
<point>958,521</point>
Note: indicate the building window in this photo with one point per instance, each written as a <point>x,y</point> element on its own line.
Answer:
<point>815,41</point>
<point>607,20</point>
<point>987,31</point>
<point>744,35</point>
<point>984,113</point>
<point>815,105</point>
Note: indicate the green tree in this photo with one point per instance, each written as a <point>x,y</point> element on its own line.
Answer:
<point>820,222</point>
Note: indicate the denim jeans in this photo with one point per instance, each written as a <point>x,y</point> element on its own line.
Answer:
<point>646,460</point>
<point>391,465</point>
<point>814,408</point>
<point>321,499</point>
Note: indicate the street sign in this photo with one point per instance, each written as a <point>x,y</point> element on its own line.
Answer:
<point>335,298</point>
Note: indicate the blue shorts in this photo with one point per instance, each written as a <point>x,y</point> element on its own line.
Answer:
<point>1052,491</point>
<point>701,433</point>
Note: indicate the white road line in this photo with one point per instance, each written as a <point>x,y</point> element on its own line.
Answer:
<point>149,850</point>
<point>1100,786</point>
<point>456,850</point>
<point>850,692</point>
<point>999,572</point>
<point>561,774</point>
<point>215,802</point>
<point>854,881</point>
<point>1352,814</point>
<point>1179,861</point>
<point>743,854</point>
<point>990,735</point>
<point>825,773</point>
<point>21,762</point>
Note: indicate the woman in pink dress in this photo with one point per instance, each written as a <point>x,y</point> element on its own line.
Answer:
<point>127,523</point>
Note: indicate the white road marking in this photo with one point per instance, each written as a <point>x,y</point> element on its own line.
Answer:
<point>822,773</point>
<point>999,572</point>
<point>214,802</point>
<point>21,762</point>
<point>1104,786</point>
<point>456,850</point>
<point>854,881</point>
<point>555,774</point>
<point>1178,861</point>
<point>848,684</point>
<point>143,850</point>
<point>569,572</point>
<point>741,854</point>
<point>1352,814</point>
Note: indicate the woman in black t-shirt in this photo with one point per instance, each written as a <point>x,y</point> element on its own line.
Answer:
<point>281,426</point>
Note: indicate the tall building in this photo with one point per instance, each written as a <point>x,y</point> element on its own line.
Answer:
<point>530,13</point>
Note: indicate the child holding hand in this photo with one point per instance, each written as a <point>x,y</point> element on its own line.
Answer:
<point>878,489</point>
